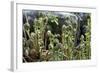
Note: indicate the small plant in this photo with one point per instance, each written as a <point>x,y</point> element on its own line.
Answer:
<point>55,37</point>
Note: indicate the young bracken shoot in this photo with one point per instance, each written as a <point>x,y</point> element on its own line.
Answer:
<point>56,36</point>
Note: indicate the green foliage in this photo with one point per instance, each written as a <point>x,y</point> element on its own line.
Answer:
<point>43,45</point>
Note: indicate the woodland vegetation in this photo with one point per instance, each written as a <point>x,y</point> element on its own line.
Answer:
<point>56,36</point>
